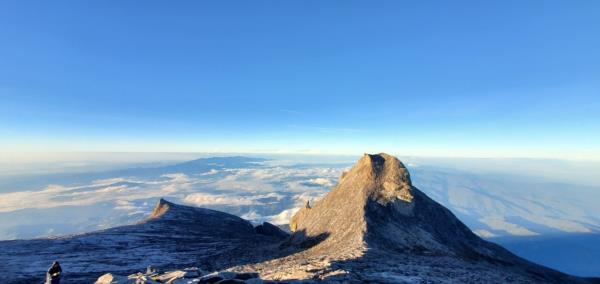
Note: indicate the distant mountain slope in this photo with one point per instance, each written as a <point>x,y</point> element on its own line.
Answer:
<point>512,205</point>
<point>577,254</point>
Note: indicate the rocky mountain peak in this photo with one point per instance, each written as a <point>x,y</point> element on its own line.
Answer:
<point>386,176</point>
<point>375,177</point>
<point>162,206</point>
<point>375,205</point>
<point>374,220</point>
<point>376,188</point>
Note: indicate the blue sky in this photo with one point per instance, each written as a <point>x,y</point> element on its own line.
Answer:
<point>466,78</point>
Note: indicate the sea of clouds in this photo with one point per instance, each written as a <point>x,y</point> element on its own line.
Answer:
<point>259,193</point>
<point>265,190</point>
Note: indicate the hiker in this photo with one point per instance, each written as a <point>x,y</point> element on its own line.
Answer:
<point>53,274</point>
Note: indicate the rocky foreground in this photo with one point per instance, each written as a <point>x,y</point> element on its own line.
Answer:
<point>174,236</point>
<point>373,227</point>
<point>188,275</point>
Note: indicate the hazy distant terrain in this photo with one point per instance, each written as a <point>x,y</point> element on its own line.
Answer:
<point>577,254</point>
<point>495,204</point>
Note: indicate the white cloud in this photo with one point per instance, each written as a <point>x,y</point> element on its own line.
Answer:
<point>108,181</point>
<point>283,217</point>
<point>276,191</point>
<point>498,223</point>
<point>95,192</point>
<point>484,233</point>
<point>321,181</point>
<point>277,178</point>
<point>200,199</point>
<point>252,216</point>
<point>177,177</point>
<point>125,205</point>
<point>211,172</point>
<point>268,182</point>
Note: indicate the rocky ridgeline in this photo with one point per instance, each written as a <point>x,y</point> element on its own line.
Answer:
<point>173,237</point>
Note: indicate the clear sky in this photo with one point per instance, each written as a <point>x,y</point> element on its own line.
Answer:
<point>441,78</point>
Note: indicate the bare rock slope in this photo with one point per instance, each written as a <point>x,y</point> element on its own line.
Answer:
<point>375,206</point>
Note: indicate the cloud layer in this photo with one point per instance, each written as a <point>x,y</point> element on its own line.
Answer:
<point>272,192</point>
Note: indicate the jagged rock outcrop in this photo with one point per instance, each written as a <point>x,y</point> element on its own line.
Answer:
<point>375,206</point>
<point>376,226</point>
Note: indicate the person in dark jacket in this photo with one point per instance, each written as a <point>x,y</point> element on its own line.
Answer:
<point>54,273</point>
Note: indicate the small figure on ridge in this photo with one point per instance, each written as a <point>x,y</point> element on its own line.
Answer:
<point>54,273</point>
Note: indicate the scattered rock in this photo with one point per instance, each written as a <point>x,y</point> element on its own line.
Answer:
<point>170,276</point>
<point>109,278</point>
<point>189,275</point>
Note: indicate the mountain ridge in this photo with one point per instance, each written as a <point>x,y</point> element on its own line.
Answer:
<point>374,213</point>
<point>373,226</point>
<point>174,235</point>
